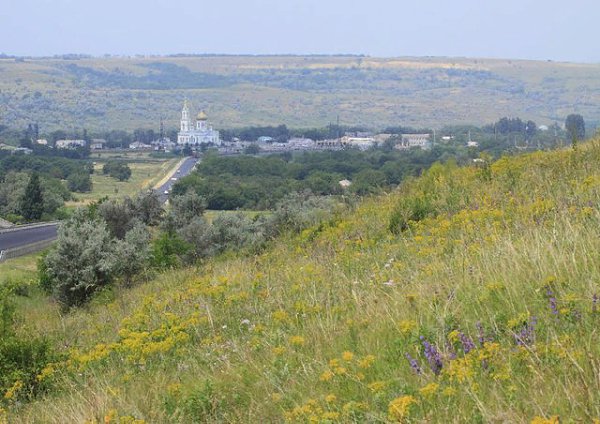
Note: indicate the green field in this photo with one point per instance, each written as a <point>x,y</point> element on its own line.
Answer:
<point>19,269</point>
<point>300,91</point>
<point>146,172</point>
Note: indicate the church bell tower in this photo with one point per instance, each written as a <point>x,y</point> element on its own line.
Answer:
<point>185,117</point>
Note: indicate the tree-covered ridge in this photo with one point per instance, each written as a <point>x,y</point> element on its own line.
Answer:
<point>468,294</point>
<point>310,91</point>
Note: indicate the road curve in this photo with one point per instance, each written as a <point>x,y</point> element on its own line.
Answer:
<point>25,236</point>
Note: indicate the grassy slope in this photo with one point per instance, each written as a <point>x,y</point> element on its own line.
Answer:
<point>289,333</point>
<point>298,91</point>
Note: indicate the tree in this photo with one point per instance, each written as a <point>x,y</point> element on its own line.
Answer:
<point>118,170</point>
<point>82,262</point>
<point>32,202</point>
<point>79,182</point>
<point>147,207</point>
<point>118,216</point>
<point>575,126</point>
<point>132,253</point>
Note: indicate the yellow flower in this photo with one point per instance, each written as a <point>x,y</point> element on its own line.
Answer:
<point>449,391</point>
<point>326,376</point>
<point>376,386</point>
<point>334,363</point>
<point>330,398</point>
<point>541,420</point>
<point>297,341</point>
<point>278,350</point>
<point>276,397</point>
<point>347,356</point>
<point>407,326</point>
<point>280,316</point>
<point>366,361</point>
<point>399,408</point>
<point>330,416</point>
<point>10,393</point>
<point>429,390</point>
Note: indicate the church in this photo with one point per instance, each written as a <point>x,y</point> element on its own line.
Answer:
<point>200,133</point>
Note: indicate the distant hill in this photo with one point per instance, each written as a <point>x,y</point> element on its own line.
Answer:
<point>127,93</point>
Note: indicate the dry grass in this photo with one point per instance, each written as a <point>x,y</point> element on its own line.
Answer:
<point>316,328</point>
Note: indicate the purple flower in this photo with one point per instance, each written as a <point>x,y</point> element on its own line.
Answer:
<point>595,303</point>
<point>551,300</point>
<point>413,364</point>
<point>433,356</point>
<point>466,342</point>
<point>451,351</point>
<point>526,336</point>
<point>481,333</point>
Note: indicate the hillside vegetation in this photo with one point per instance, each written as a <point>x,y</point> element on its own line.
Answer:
<point>467,295</point>
<point>300,91</point>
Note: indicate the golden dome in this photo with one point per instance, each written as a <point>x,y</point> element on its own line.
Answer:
<point>202,116</point>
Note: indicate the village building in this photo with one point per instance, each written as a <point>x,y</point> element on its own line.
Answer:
<point>70,144</point>
<point>97,144</point>
<point>200,133</point>
<point>408,141</point>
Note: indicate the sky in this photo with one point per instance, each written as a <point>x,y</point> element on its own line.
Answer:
<point>516,29</point>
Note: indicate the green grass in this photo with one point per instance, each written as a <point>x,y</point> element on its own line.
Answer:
<point>19,269</point>
<point>145,173</point>
<point>316,327</point>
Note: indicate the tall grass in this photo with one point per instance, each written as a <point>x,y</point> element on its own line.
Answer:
<point>483,309</point>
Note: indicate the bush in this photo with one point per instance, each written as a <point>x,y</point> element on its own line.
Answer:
<point>411,209</point>
<point>118,170</point>
<point>79,182</point>
<point>82,262</point>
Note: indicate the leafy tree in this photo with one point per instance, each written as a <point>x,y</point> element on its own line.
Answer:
<point>168,250</point>
<point>575,126</point>
<point>82,262</point>
<point>117,169</point>
<point>79,182</point>
<point>187,207</point>
<point>119,217</point>
<point>132,254</point>
<point>252,149</point>
<point>147,207</point>
<point>32,203</point>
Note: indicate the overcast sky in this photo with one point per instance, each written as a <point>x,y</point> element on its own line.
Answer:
<point>528,29</point>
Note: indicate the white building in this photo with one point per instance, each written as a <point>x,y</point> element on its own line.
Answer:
<point>194,135</point>
<point>414,140</point>
<point>69,144</point>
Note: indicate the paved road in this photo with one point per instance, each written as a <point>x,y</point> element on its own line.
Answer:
<point>26,236</point>
<point>186,167</point>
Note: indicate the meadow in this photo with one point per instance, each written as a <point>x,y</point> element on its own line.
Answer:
<point>300,91</point>
<point>469,294</point>
<point>146,172</point>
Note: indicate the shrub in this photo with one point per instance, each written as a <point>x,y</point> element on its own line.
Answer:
<point>82,261</point>
<point>410,209</point>
<point>118,170</point>
<point>79,182</point>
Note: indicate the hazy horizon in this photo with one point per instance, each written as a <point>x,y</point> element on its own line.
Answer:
<point>512,29</point>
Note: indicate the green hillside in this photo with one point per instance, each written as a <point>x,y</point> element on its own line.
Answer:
<point>127,93</point>
<point>467,295</point>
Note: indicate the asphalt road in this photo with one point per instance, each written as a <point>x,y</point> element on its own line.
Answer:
<point>25,236</point>
<point>186,167</point>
